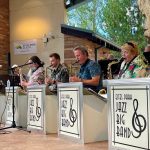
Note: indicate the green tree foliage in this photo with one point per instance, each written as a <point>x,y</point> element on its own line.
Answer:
<point>123,22</point>
<point>112,19</point>
<point>87,16</point>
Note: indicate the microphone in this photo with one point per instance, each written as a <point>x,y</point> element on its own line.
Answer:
<point>24,65</point>
<point>29,63</point>
<point>75,62</point>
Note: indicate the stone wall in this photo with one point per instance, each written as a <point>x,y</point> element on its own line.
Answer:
<point>4,35</point>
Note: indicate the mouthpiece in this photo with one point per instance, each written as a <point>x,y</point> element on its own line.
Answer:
<point>75,62</point>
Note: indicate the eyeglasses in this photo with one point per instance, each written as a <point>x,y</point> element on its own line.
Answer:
<point>30,62</point>
<point>131,44</point>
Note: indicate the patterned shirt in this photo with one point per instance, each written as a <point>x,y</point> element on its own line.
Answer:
<point>132,69</point>
<point>88,70</point>
<point>59,74</point>
<point>36,77</point>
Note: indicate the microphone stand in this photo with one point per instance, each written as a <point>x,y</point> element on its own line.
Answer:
<point>21,66</point>
<point>13,102</point>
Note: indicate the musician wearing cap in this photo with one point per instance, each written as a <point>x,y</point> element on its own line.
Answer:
<point>89,73</point>
<point>36,74</point>
<point>56,72</point>
<point>133,62</point>
<point>17,71</point>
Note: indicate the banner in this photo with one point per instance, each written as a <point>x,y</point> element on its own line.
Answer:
<point>130,117</point>
<point>35,109</point>
<point>69,112</point>
<point>25,47</point>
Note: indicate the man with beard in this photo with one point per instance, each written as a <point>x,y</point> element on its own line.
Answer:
<point>56,72</point>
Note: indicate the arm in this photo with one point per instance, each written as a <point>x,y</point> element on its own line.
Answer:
<point>93,75</point>
<point>35,78</point>
<point>94,81</point>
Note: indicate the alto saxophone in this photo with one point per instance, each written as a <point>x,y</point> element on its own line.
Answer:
<point>21,79</point>
<point>46,71</point>
<point>47,74</point>
<point>73,68</point>
<point>109,68</point>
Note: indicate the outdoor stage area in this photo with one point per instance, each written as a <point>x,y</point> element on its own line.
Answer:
<point>14,139</point>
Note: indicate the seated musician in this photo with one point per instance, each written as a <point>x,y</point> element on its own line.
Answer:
<point>90,71</point>
<point>36,74</point>
<point>56,72</point>
<point>133,62</point>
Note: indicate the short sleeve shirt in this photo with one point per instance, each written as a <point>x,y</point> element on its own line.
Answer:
<point>131,70</point>
<point>60,74</point>
<point>88,70</point>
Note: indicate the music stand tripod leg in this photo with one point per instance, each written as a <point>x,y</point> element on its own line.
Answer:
<point>13,110</point>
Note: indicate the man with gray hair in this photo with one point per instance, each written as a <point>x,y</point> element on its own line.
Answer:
<point>90,71</point>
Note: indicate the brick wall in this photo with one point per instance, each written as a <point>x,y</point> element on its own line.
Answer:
<point>4,35</point>
<point>69,43</point>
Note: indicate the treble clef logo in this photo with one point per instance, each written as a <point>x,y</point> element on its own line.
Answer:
<point>72,113</point>
<point>138,121</point>
<point>38,110</point>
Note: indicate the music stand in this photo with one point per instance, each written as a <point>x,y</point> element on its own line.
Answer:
<point>13,103</point>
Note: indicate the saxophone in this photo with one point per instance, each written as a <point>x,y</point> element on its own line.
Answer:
<point>109,68</point>
<point>22,88</point>
<point>74,67</point>
<point>47,72</point>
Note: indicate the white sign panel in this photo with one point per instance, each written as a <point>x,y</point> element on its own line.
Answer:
<point>25,47</point>
<point>69,112</point>
<point>9,107</point>
<point>35,109</point>
<point>130,117</point>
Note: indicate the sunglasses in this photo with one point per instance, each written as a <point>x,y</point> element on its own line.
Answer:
<point>131,44</point>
